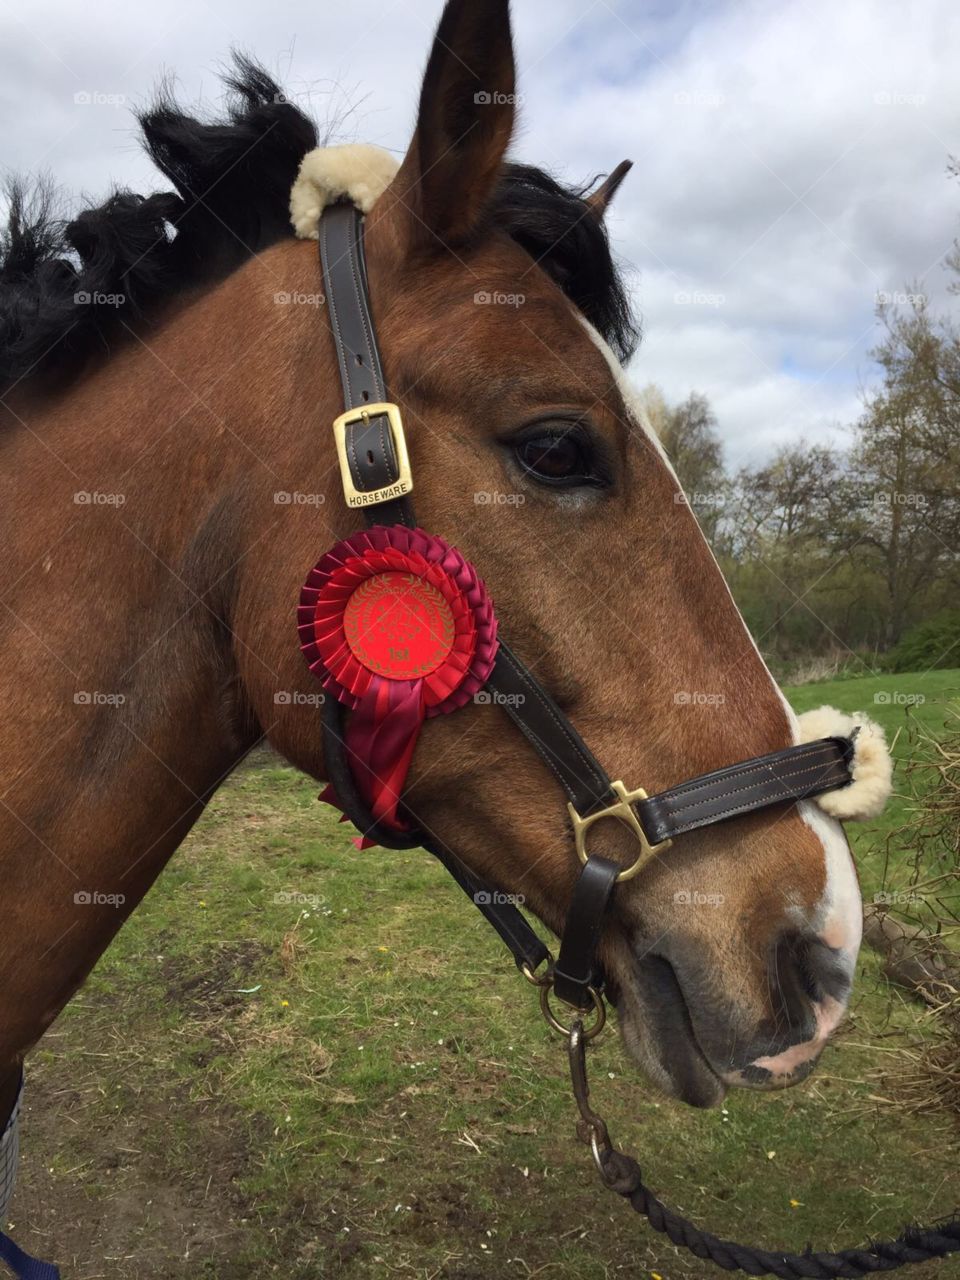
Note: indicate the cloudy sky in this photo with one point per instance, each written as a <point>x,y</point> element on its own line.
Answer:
<point>789,157</point>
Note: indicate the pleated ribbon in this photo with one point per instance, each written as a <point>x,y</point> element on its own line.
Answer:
<point>398,626</point>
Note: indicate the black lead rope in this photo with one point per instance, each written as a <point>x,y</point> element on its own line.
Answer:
<point>377,479</point>
<point>621,1173</point>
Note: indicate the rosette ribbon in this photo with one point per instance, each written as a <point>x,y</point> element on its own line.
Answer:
<point>398,626</point>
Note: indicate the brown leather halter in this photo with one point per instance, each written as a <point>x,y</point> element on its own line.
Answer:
<point>377,481</point>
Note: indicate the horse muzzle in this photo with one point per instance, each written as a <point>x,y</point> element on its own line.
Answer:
<point>695,1042</point>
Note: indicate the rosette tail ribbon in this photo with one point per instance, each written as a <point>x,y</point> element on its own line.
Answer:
<point>381,738</point>
<point>398,626</point>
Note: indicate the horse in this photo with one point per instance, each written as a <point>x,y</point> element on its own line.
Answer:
<point>169,374</point>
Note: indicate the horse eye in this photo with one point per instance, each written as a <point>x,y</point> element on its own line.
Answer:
<point>558,458</point>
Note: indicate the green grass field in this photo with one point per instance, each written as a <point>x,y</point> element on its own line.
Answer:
<point>359,1083</point>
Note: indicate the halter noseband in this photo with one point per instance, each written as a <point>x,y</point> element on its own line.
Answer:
<point>377,480</point>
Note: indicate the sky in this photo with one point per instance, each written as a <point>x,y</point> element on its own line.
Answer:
<point>789,158</point>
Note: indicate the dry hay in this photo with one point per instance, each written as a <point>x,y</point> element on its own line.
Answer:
<point>924,1075</point>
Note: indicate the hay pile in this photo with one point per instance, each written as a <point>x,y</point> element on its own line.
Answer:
<point>916,927</point>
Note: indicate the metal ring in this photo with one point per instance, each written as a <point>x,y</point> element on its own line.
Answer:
<point>542,980</point>
<point>598,1153</point>
<point>636,867</point>
<point>588,1033</point>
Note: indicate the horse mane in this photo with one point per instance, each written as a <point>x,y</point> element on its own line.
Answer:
<point>73,289</point>
<point>569,242</point>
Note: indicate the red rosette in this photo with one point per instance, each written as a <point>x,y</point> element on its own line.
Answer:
<point>398,626</point>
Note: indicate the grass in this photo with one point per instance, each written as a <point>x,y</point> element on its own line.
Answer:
<point>301,1060</point>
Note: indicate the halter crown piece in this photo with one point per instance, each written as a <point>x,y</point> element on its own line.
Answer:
<point>398,627</point>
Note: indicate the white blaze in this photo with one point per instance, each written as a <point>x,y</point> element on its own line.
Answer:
<point>839,915</point>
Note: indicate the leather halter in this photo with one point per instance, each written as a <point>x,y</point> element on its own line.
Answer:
<point>377,481</point>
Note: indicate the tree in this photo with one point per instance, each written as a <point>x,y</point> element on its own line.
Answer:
<point>787,503</point>
<point>777,553</point>
<point>901,514</point>
<point>655,406</point>
<point>690,439</point>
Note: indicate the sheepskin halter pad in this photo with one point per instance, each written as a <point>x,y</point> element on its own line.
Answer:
<point>871,766</point>
<point>356,172</point>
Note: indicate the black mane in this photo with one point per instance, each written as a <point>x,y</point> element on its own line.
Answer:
<point>72,289</point>
<point>559,231</point>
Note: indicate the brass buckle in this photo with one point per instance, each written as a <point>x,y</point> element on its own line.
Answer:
<point>622,809</point>
<point>397,488</point>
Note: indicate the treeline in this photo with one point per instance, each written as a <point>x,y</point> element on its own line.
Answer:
<point>854,552</point>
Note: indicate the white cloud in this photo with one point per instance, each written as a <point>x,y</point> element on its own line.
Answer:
<point>789,158</point>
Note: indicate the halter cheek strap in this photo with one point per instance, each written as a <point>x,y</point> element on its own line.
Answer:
<point>377,482</point>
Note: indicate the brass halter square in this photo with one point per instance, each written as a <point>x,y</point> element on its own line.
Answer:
<point>622,809</point>
<point>398,488</point>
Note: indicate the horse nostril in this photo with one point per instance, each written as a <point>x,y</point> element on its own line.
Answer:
<point>804,973</point>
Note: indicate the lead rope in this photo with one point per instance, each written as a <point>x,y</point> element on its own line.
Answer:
<point>621,1173</point>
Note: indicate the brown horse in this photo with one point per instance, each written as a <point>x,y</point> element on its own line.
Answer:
<point>170,375</point>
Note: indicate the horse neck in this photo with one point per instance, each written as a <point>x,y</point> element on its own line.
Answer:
<point>134,506</point>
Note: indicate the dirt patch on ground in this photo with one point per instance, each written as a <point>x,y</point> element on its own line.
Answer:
<point>121,1183</point>
<point>108,1206</point>
<point>213,985</point>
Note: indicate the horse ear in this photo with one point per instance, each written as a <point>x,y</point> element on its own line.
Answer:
<point>464,123</point>
<point>599,200</point>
